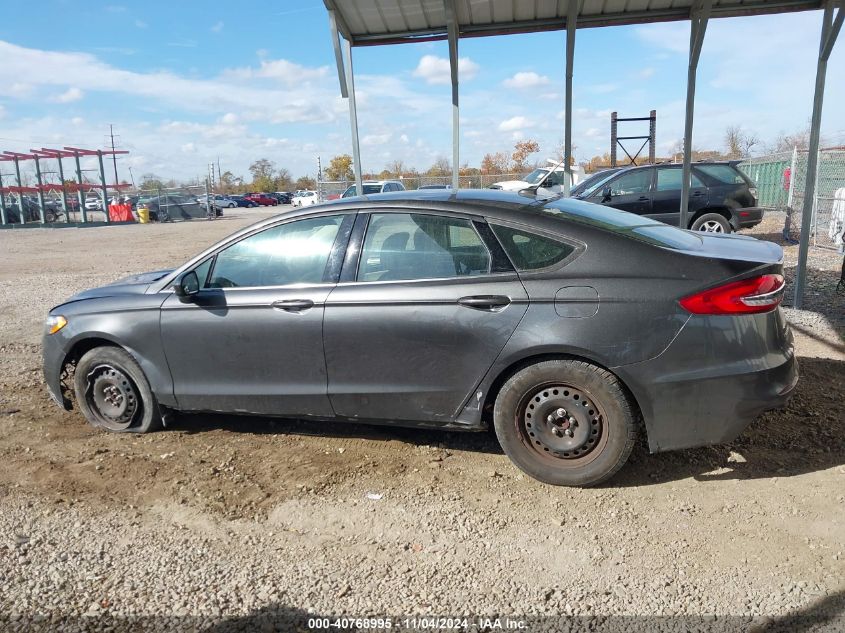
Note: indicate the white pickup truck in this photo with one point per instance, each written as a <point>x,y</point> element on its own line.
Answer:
<point>552,181</point>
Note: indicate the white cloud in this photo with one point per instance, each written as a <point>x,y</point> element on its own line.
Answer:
<point>515,123</point>
<point>647,72</point>
<point>218,26</point>
<point>435,70</point>
<point>2,111</point>
<point>375,139</point>
<point>279,69</point>
<point>77,73</point>
<point>77,120</point>
<point>229,118</point>
<point>524,80</point>
<point>404,138</point>
<point>18,89</point>
<point>68,96</point>
<point>189,148</point>
<point>141,24</point>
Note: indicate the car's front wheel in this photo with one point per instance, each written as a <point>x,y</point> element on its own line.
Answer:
<point>711,223</point>
<point>565,422</point>
<point>113,393</point>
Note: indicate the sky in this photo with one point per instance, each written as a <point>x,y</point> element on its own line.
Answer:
<point>186,83</point>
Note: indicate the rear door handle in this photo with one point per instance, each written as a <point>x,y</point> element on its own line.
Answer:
<point>293,305</point>
<point>644,198</point>
<point>484,302</point>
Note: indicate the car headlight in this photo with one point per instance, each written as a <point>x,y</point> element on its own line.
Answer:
<point>55,323</point>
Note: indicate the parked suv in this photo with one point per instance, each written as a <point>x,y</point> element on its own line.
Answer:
<point>721,198</point>
<point>374,186</point>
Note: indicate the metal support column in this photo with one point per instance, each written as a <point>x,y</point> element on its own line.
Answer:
<point>571,25</point>
<point>80,196</point>
<point>452,33</point>
<point>40,192</point>
<point>353,115</point>
<point>64,188</point>
<point>20,194</point>
<point>2,201</point>
<point>830,31</point>
<point>104,186</point>
<point>699,16</point>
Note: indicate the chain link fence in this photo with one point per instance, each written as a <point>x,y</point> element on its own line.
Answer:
<point>781,181</point>
<point>330,189</point>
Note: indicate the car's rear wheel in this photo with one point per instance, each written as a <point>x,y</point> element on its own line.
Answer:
<point>711,223</point>
<point>113,393</point>
<point>565,422</point>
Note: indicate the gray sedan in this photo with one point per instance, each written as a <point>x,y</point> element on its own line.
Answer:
<point>569,327</point>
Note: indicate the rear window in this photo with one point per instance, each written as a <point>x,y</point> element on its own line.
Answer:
<point>723,173</point>
<point>529,251</point>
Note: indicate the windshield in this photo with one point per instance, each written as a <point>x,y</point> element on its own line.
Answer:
<point>367,189</point>
<point>535,176</point>
<point>590,188</point>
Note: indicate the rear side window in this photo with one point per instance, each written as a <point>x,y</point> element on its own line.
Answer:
<point>406,246</point>
<point>670,179</point>
<point>723,173</point>
<point>529,251</point>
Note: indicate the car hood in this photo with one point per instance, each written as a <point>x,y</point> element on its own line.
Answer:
<point>133,284</point>
<point>512,185</point>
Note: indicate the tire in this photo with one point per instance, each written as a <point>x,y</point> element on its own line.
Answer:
<point>711,223</point>
<point>584,445</point>
<point>113,393</point>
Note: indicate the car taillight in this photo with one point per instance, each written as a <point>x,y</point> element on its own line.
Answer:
<point>748,296</point>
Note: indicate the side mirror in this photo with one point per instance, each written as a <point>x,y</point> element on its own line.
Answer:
<point>606,194</point>
<point>187,286</point>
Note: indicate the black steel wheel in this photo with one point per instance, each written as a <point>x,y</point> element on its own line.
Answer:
<point>113,393</point>
<point>565,422</point>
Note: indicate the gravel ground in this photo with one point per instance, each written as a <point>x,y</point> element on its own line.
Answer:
<point>231,523</point>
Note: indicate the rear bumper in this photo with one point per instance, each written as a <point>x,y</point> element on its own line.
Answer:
<point>747,217</point>
<point>715,378</point>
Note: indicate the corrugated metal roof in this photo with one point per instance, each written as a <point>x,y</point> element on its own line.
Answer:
<point>367,22</point>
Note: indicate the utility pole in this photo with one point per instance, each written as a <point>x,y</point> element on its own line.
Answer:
<point>113,156</point>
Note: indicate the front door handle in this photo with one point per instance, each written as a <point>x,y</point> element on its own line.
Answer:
<point>643,198</point>
<point>293,305</point>
<point>484,302</point>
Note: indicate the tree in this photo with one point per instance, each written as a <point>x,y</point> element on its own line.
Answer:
<point>521,151</point>
<point>786,142</point>
<point>739,143</point>
<point>150,182</point>
<point>395,169</point>
<point>262,174</point>
<point>497,163</point>
<point>340,168</point>
<point>559,153</point>
<point>283,180</point>
<point>305,182</point>
<point>229,183</point>
<point>441,167</point>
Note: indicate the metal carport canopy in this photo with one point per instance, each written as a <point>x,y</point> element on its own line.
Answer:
<point>377,22</point>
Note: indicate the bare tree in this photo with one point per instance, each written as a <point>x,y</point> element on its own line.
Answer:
<point>739,143</point>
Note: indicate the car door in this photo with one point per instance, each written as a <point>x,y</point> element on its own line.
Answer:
<point>251,340</point>
<point>424,306</point>
<point>666,198</point>
<point>629,191</point>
